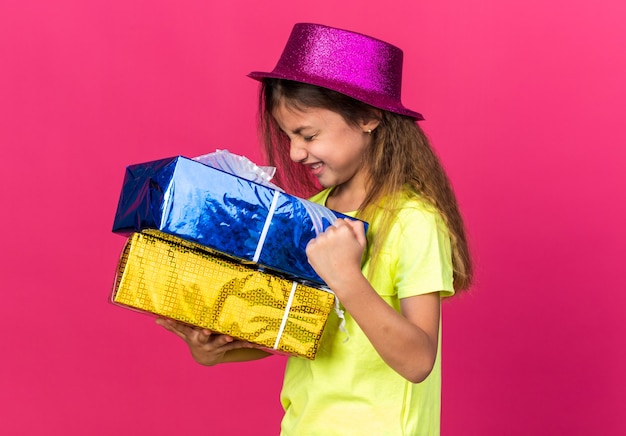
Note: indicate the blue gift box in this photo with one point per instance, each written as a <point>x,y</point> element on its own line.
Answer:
<point>239,218</point>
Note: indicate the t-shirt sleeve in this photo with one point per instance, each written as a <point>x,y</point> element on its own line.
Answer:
<point>422,254</point>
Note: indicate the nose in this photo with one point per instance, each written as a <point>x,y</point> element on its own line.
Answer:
<point>297,151</point>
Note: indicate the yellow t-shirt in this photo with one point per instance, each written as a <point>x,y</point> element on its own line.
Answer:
<point>348,389</point>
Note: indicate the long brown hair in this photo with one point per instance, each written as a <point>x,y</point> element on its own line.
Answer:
<point>400,159</point>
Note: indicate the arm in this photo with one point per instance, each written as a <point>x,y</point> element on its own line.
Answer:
<point>208,348</point>
<point>406,341</point>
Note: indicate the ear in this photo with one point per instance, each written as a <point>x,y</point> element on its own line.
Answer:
<point>370,124</point>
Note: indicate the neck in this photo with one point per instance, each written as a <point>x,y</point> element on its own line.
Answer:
<point>344,200</point>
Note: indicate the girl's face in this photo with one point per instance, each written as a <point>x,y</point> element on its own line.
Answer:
<point>327,145</point>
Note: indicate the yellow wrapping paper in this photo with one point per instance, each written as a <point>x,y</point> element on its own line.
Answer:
<point>173,278</point>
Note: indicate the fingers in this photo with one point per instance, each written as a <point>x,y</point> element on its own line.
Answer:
<point>184,331</point>
<point>179,329</point>
<point>201,336</point>
<point>192,335</point>
<point>213,340</point>
<point>206,347</point>
<point>355,226</point>
<point>168,325</point>
<point>358,229</point>
<point>343,228</point>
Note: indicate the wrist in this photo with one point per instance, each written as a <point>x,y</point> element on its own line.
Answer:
<point>347,286</point>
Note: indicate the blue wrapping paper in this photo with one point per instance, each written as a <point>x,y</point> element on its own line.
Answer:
<point>229,214</point>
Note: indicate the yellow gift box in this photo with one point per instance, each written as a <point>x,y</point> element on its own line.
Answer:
<point>174,278</point>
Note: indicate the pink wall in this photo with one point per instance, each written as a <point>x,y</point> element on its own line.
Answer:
<point>524,101</point>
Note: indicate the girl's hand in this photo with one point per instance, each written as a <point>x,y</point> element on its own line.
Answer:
<point>207,348</point>
<point>336,253</point>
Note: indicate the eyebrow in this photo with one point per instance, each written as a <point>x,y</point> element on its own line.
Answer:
<point>299,130</point>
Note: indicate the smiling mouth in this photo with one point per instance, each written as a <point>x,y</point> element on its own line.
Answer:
<point>316,168</point>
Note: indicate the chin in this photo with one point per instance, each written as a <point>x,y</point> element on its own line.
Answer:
<point>326,185</point>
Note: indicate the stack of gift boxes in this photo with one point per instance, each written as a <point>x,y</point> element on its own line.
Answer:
<point>214,250</point>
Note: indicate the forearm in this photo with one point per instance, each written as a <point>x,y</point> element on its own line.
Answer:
<point>245,355</point>
<point>405,346</point>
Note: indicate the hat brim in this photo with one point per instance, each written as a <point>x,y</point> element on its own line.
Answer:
<point>377,101</point>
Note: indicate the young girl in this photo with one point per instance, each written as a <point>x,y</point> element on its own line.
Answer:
<point>331,118</point>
